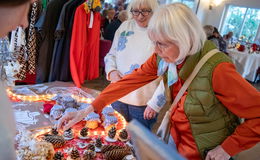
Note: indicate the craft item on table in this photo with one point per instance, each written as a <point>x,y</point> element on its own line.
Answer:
<point>56,114</point>
<point>56,111</point>
<point>117,154</point>
<point>47,108</point>
<point>123,135</point>
<point>91,147</point>
<point>108,111</point>
<point>68,134</point>
<point>26,117</point>
<point>69,102</point>
<point>129,157</point>
<point>89,155</point>
<point>58,156</point>
<point>83,134</point>
<point>98,144</point>
<point>74,155</point>
<point>82,145</point>
<point>111,135</point>
<point>70,110</point>
<point>56,140</point>
<point>57,98</point>
<point>83,106</point>
<point>67,150</point>
<point>241,48</point>
<point>54,131</point>
<point>92,120</point>
<point>35,150</point>
<point>40,89</point>
<point>106,148</point>
<point>109,122</point>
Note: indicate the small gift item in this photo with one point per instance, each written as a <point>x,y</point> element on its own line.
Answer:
<point>54,131</point>
<point>68,134</point>
<point>83,106</point>
<point>89,155</point>
<point>123,135</point>
<point>82,145</point>
<point>56,111</point>
<point>106,148</point>
<point>91,147</point>
<point>55,140</point>
<point>129,157</point>
<point>74,155</point>
<point>58,99</point>
<point>83,134</point>
<point>68,102</point>
<point>70,110</point>
<point>58,156</point>
<point>92,120</point>
<point>98,144</point>
<point>111,135</point>
<point>117,154</point>
<point>109,122</point>
<point>108,111</point>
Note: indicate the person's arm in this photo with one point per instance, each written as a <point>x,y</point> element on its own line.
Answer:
<point>242,99</point>
<point>138,78</point>
<point>158,99</point>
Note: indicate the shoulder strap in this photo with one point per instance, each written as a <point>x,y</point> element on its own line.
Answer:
<point>191,77</point>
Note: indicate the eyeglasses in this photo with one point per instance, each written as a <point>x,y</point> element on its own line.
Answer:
<point>161,46</point>
<point>142,12</point>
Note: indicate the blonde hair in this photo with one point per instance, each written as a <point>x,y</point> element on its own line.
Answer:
<point>178,24</point>
<point>151,4</point>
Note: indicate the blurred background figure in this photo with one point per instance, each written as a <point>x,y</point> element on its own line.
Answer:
<point>208,30</point>
<point>114,25</point>
<point>109,17</point>
<point>214,36</point>
<point>228,38</point>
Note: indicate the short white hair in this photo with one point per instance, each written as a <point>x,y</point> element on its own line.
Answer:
<point>178,24</point>
<point>151,4</point>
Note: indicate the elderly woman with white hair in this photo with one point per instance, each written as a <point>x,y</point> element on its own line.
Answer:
<point>130,49</point>
<point>204,123</point>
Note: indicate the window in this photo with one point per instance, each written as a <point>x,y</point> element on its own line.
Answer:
<point>243,22</point>
<point>189,3</point>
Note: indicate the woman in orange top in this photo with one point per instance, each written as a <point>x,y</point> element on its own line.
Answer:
<point>178,36</point>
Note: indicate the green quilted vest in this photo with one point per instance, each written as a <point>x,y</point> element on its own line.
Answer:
<point>211,122</point>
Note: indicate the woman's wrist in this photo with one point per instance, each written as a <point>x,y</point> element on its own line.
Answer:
<point>87,110</point>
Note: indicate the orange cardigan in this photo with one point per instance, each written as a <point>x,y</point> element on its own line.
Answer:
<point>230,88</point>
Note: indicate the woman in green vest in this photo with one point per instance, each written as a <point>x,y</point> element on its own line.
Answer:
<point>205,122</point>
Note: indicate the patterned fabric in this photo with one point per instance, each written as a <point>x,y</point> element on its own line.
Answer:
<point>122,40</point>
<point>31,45</point>
<point>132,68</point>
<point>171,69</point>
<point>18,42</point>
<point>161,100</point>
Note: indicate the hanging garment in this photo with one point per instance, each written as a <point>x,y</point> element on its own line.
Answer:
<point>46,49</point>
<point>18,46</point>
<point>60,69</point>
<point>92,60</point>
<point>31,42</point>
<point>84,47</point>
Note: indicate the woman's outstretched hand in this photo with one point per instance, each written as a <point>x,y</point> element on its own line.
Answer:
<point>71,118</point>
<point>149,113</point>
<point>217,153</point>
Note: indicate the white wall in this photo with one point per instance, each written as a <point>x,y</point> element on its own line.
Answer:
<point>213,17</point>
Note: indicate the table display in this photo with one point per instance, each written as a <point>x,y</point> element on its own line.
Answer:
<point>95,137</point>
